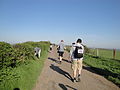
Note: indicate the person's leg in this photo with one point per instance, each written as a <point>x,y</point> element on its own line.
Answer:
<point>74,67</point>
<point>35,54</point>
<point>39,54</point>
<point>50,49</point>
<point>79,69</point>
<point>74,73</point>
<point>61,56</point>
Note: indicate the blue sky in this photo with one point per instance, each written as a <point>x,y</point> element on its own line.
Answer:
<point>96,22</point>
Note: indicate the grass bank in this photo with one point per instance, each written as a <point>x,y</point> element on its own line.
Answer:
<point>24,75</point>
<point>109,68</point>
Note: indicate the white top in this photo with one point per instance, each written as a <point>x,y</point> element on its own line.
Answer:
<point>73,49</point>
<point>50,46</point>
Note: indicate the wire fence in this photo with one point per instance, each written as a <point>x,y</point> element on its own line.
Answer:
<point>107,53</point>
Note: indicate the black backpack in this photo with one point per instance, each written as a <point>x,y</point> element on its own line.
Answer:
<point>78,53</point>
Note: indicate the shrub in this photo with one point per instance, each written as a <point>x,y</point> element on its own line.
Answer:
<point>23,52</point>
<point>18,65</point>
<point>6,54</point>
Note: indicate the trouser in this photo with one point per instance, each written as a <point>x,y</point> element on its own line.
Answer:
<point>77,66</point>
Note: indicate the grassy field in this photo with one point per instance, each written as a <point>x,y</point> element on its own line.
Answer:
<point>24,75</point>
<point>109,68</point>
<point>107,53</point>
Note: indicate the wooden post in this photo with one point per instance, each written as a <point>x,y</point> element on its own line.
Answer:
<point>97,52</point>
<point>114,52</point>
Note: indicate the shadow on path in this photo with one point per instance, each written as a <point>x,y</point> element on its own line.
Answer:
<point>99,71</point>
<point>64,87</point>
<point>88,68</point>
<point>103,72</point>
<point>68,61</point>
<point>60,71</point>
<point>54,60</point>
<point>16,89</point>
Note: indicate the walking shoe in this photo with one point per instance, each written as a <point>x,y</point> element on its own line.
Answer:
<point>74,79</point>
<point>79,78</point>
<point>60,62</point>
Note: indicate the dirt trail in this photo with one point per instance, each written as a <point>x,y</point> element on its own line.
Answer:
<point>56,76</point>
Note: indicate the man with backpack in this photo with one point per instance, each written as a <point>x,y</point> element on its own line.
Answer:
<point>77,58</point>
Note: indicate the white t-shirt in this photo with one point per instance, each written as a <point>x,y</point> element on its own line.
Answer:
<point>50,46</point>
<point>73,49</point>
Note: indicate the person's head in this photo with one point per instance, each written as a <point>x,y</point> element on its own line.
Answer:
<point>79,41</point>
<point>73,43</point>
<point>62,41</point>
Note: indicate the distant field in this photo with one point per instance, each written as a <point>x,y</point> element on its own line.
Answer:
<point>107,53</point>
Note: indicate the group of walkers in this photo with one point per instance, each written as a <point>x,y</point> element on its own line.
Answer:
<point>76,57</point>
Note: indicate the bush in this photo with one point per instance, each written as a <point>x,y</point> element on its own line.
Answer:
<point>23,52</point>
<point>18,67</point>
<point>11,55</point>
<point>6,55</point>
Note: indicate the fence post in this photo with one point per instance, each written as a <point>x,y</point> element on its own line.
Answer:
<point>114,52</point>
<point>97,52</point>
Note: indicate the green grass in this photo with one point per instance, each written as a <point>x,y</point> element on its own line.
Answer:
<point>68,48</point>
<point>25,75</point>
<point>109,68</point>
<point>107,53</point>
<point>117,55</point>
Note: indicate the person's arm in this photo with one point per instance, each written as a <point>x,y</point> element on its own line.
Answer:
<point>83,48</point>
<point>64,47</point>
<point>71,50</point>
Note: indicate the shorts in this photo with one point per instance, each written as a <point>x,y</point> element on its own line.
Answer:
<point>61,54</point>
<point>50,48</point>
<point>76,65</point>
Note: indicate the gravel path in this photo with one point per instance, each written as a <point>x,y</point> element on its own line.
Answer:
<point>55,76</point>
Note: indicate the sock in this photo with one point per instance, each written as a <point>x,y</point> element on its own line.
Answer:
<point>74,78</point>
<point>78,75</point>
